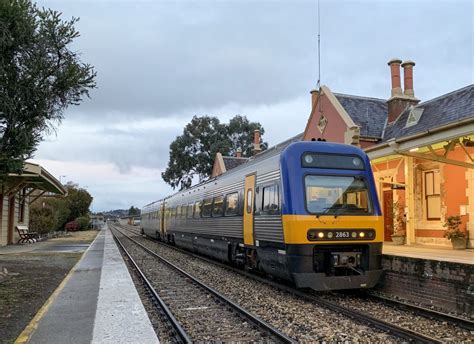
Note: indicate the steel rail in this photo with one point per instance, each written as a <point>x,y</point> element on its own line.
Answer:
<point>283,338</point>
<point>428,313</point>
<point>353,314</point>
<point>181,335</point>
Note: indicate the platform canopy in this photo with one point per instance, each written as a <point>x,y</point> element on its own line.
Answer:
<point>433,145</point>
<point>36,179</point>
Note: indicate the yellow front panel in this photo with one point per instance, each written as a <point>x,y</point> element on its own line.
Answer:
<point>295,227</point>
<point>249,197</point>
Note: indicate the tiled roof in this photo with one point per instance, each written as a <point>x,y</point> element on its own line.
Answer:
<point>231,162</point>
<point>369,114</point>
<point>449,108</point>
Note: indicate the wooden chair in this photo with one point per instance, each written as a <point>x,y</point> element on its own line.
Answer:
<point>25,234</point>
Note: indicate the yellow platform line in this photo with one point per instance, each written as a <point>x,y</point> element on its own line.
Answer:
<point>26,334</point>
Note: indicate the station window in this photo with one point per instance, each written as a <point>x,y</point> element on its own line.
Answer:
<point>218,206</point>
<point>432,195</point>
<point>197,209</point>
<point>190,210</point>
<point>232,204</point>
<point>207,207</point>
<point>270,200</point>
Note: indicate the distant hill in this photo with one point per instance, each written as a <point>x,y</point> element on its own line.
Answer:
<point>115,213</point>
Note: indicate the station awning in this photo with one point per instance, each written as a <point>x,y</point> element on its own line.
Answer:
<point>36,178</point>
<point>433,145</point>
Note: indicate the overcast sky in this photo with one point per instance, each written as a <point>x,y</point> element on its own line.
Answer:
<point>161,62</point>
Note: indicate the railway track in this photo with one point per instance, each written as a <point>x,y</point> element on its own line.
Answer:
<point>375,322</point>
<point>198,312</point>
<point>428,313</point>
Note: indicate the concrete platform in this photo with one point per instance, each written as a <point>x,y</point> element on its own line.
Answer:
<point>96,303</point>
<point>430,253</point>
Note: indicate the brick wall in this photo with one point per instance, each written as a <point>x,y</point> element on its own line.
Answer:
<point>446,286</point>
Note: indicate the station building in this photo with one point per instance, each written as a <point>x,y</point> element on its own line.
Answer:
<point>422,153</point>
<point>17,192</point>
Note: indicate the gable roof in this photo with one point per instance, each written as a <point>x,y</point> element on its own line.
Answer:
<point>449,108</point>
<point>231,162</point>
<point>370,114</point>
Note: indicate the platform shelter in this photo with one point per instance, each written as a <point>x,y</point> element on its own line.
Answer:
<point>18,192</point>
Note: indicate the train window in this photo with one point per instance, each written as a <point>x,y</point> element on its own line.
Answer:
<point>232,204</point>
<point>173,212</point>
<point>190,210</point>
<point>207,207</point>
<point>270,200</point>
<point>249,201</point>
<point>337,195</point>
<point>197,209</point>
<point>218,206</point>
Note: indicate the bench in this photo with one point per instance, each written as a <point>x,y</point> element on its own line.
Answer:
<point>25,234</point>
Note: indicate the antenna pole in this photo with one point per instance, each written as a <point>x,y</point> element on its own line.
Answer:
<point>319,46</point>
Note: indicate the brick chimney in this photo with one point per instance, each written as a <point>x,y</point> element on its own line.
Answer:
<point>399,101</point>
<point>238,153</point>
<point>256,142</point>
<point>395,76</point>
<point>408,78</point>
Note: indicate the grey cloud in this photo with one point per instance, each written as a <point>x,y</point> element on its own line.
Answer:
<point>157,59</point>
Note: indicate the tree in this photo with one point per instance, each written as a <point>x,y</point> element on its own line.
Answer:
<point>39,78</point>
<point>241,132</point>
<point>192,153</point>
<point>78,201</point>
<point>133,211</point>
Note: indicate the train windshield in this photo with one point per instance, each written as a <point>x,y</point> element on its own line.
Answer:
<point>337,195</point>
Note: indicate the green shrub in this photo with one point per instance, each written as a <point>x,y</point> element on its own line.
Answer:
<point>41,220</point>
<point>453,231</point>
<point>83,222</point>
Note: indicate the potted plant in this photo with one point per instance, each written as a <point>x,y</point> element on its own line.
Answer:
<point>454,233</point>
<point>398,232</point>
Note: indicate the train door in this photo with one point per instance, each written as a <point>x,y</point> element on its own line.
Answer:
<point>163,221</point>
<point>249,199</point>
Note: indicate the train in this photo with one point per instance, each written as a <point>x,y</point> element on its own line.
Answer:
<point>303,212</point>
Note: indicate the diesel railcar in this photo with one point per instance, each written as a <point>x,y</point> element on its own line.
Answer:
<point>305,212</point>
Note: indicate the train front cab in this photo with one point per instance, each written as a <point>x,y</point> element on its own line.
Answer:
<point>332,223</point>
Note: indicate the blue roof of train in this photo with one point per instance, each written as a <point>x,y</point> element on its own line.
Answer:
<point>323,147</point>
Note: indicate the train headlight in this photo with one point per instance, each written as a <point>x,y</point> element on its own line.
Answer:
<point>353,234</point>
<point>330,235</point>
<point>320,235</point>
<point>308,159</point>
<point>362,234</point>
